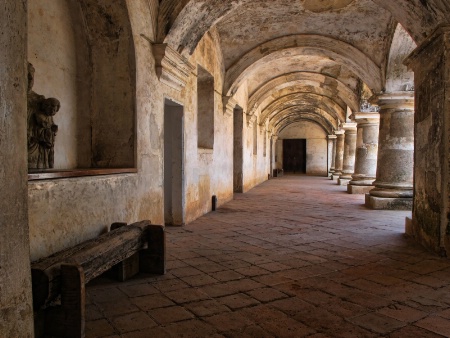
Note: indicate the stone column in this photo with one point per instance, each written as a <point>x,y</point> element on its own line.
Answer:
<point>431,210</point>
<point>16,313</point>
<point>331,153</point>
<point>394,181</point>
<point>339,154</point>
<point>348,162</point>
<point>273,151</point>
<point>368,126</point>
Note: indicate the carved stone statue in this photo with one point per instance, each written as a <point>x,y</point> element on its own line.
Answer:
<point>41,127</point>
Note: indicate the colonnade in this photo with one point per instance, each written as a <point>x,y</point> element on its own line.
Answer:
<point>374,153</point>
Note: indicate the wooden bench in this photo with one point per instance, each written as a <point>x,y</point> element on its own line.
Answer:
<point>66,272</point>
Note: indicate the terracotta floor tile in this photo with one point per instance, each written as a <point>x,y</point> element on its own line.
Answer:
<point>377,322</point>
<point>435,324</point>
<point>346,271</point>
<point>170,314</point>
<point>237,301</point>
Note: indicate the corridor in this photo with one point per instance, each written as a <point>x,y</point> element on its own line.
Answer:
<point>294,257</point>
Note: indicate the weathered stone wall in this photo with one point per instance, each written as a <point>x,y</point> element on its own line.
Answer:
<point>316,145</point>
<point>431,66</point>
<point>84,56</point>
<point>68,211</point>
<point>58,49</point>
<point>16,316</point>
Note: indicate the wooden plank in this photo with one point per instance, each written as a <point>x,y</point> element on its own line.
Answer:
<point>95,256</point>
<point>73,300</point>
<point>54,174</point>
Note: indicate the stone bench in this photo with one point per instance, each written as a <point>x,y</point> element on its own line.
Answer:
<point>139,247</point>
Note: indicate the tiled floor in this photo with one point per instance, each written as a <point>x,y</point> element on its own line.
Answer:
<point>294,257</point>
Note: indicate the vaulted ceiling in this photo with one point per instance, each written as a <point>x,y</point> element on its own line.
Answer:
<point>305,59</point>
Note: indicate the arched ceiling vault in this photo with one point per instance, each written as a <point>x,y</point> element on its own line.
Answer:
<point>321,84</point>
<point>282,49</point>
<point>182,23</point>
<point>303,90</point>
<point>322,115</point>
<point>303,58</point>
<point>303,100</point>
<point>299,116</point>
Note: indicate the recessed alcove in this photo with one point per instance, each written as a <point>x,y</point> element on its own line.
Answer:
<point>83,55</point>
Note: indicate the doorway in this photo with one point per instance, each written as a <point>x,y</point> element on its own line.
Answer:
<point>173,164</point>
<point>238,125</point>
<point>294,156</point>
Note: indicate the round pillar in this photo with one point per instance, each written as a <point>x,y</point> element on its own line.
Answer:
<point>348,162</point>
<point>368,126</point>
<point>394,179</point>
<point>331,152</point>
<point>338,162</point>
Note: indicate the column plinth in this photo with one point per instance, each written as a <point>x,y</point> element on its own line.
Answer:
<point>338,161</point>
<point>368,125</point>
<point>348,161</point>
<point>394,178</point>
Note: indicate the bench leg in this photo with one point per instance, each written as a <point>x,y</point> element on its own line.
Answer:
<point>153,259</point>
<point>73,300</point>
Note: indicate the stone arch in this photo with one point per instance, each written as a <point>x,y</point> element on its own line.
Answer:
<point>303,100</point>
<point>286,121</point>
<point>289,46</point>
<point>182,23</point>
<point>398,78</point>
<point>313,112</point>
<point>323,84</point>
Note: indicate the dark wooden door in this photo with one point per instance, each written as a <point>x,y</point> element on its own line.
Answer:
<point>294,156</point>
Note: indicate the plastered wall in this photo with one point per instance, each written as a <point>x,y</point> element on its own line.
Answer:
<point>316,145</point>
<point>65,212</point>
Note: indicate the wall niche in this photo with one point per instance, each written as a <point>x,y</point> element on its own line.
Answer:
<point>83,55</point>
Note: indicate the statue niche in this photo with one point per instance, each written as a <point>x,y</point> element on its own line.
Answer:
<point>41,130</point>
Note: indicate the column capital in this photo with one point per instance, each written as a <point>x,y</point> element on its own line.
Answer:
<point>366,118</point>
<point>332,137</point>
<point>339,132</point>
<point>349,126</point>
<point>396,100</point>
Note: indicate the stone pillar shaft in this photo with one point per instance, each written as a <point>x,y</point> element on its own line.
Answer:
<point>348,162</point>
<point>16,319</point>
<point>394,180</point>
<point>431,210</point>
<point>339,154</point>
<point>331,152</point>
<point>368,125</point>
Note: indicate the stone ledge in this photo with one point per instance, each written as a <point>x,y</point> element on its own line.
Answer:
<point>380,203</point>
<point>359,189</point>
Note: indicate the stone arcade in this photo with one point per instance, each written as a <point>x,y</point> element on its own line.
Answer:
<point>167,103</point>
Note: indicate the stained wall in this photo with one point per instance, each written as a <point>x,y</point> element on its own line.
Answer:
<point>316,145</point>
<point>64,212</point>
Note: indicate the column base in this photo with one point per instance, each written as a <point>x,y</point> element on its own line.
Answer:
<point>385,203</point>
<point>335,177</point>
<point>343,181</point>
<point>359,189</point>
